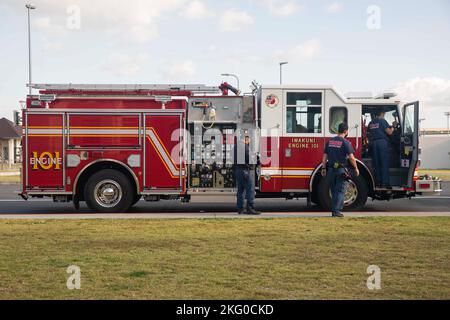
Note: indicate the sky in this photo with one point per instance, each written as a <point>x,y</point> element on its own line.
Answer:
<point>354,45</point>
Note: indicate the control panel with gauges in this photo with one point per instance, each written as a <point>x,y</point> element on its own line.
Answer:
<point>212,156</point>
<point>214,123</point>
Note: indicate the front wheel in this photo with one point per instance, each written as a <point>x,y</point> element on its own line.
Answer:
<point>109,191</point>
<point>355,197</point>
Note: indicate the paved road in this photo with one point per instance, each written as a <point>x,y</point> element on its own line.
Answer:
<point>13,206</point>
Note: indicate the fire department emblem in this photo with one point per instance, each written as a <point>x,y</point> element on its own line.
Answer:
<point>272,101</point>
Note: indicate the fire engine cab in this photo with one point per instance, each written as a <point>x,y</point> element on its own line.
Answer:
<point>111,145</point>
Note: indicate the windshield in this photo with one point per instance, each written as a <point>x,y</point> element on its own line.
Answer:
<point>391,116</point>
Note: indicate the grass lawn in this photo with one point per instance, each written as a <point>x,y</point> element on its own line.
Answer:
<point>226,259</point>
<point>10,179</point>
<point>444,175</point>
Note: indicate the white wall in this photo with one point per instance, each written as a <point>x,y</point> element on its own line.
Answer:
<point>11,144</point>
<point>3,143</point>
<point>11,151</point>
<point>435,152</point>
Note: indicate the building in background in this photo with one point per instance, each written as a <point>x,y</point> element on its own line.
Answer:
<point>435,149</point>
<point>10,143</point>
<point>433,132</point>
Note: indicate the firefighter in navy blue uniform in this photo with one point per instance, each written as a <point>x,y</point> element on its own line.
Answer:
<point>337,154</point>
<point>380,132</point>
<point>245,164</point>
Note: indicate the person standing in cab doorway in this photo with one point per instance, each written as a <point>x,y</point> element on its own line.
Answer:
<point>337,154</point>
<point>380,132</point>
<point>245,165</point>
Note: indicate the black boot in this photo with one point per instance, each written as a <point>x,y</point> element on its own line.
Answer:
<point>252,211</point>
<point>337,215</point>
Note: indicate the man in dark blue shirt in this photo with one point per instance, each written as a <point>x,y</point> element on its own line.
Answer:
<point>380,132</point>
<point>338,152</point>
<point>245,164</point>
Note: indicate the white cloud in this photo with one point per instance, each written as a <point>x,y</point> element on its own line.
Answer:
<point>303,51</point>
<point>281,7</point>
<point>197,10</point>
<point>49,42</point>
<point>43,22</point>
<point>233,20</point>
<point>134,20</point>
<point>181,70</point>
<point>143,33</point>
<point>52,46</point>
<point>121,64</point>
<point>48,27</point>
<point>433,92</point>
<point>334,7</point>
<point>434,96</point>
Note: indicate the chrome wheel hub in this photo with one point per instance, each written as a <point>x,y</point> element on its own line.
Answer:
<point>108,193</point>
<point>351,193</point>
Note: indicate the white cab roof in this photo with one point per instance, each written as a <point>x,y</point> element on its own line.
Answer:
<point>390,101</point>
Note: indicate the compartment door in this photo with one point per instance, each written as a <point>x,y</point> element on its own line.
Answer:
<point>409,147</point>
<point>103,130</point>
<point>44,136</point>
<point>164,165</point>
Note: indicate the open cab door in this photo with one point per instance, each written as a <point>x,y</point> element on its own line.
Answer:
<point>409,142</point>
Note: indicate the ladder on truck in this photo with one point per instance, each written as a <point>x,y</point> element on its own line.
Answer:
<point>193,88</point>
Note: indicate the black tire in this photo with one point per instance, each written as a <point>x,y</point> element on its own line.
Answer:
<point>136,199</point>
<point>112,186</point>
<point>324,195</point>
<point>314,199</point>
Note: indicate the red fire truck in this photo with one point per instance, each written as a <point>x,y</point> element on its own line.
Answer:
<point>111,145</point>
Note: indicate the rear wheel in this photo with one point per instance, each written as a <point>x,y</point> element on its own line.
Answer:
<point>314,199</point>
<point>355,197</point>
<point>109,191</point>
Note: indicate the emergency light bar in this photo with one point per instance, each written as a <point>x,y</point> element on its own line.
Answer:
<point>194,88</point>
<point>386,95</point>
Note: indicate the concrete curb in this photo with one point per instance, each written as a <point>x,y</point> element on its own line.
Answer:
<point>223,215</point>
